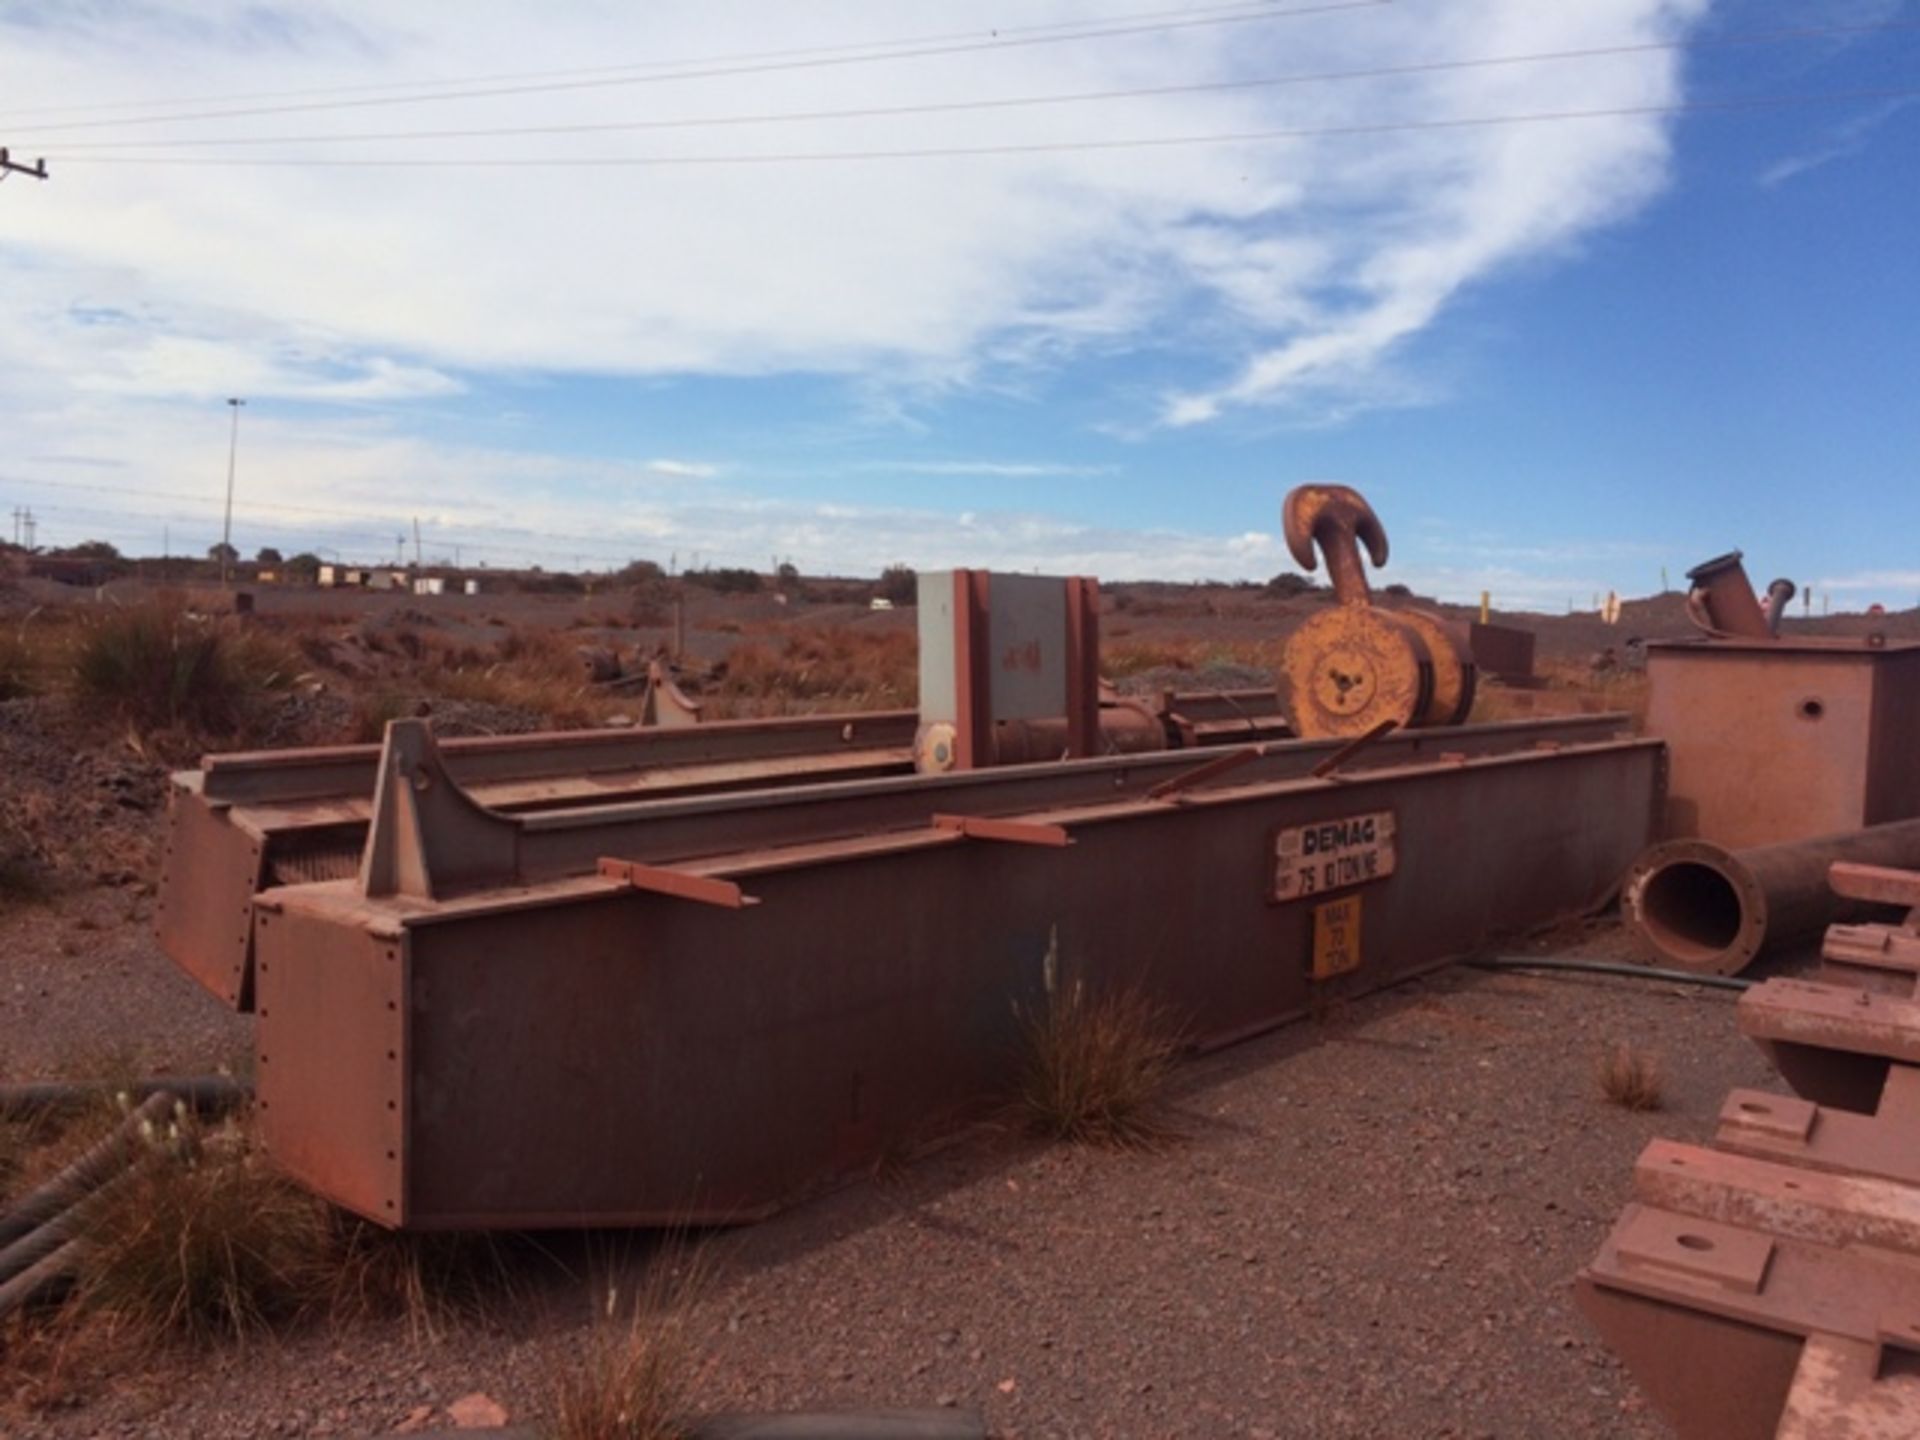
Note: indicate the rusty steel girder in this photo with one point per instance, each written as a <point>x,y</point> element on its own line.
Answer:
<point>249,820</point>
<point>1770,1285</point>
<point>695,1010</point>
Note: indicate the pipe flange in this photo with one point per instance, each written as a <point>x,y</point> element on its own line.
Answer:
<point>1695,906</point>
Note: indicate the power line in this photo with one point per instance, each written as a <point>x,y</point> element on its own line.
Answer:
<point>362,517</point>
<point>1259,7</point>
<point>369,535</point>
<point>1037,147</point>
<point>1425,67</point>
<point>716,72</point>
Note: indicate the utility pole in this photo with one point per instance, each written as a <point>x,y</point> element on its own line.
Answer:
<point>10,166</point>
<point>233,455</point>
<point>416,542</point>
<point>31,525</point>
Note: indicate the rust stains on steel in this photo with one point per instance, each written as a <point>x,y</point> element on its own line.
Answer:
<point>718,1062</point>
<point>241,824</point>
<point>1351,666</point>
<point>1721,602</point>
<point>1769,1286</point>
<point>1703,907</point>
<point>1775,739</point>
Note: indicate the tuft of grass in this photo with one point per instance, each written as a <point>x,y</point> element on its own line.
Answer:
<point>633,1378</point>
<point>160,668</point>
<point>1093,1066</point>
<point>430,1280</point>
<point>205,1242</point>
<point>368,724</point>
<point>799,667</point>
<point>22,881</point>
<point>1631,1078</point>
<point>16,667</point>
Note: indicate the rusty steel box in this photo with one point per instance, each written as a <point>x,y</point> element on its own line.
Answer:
<point>1773,740</point>
<point>1502,651</point>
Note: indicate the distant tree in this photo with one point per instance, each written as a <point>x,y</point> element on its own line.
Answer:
<point>1399,591</point>
<point>269,556</point>
<point>89,550</point>
<point>1287,586</point>
<point>304,566</point>
<point>727,580</point>
<point>640,572</point>
<point>899,584</point>
<point>787,577</point>
<point>220,551</point>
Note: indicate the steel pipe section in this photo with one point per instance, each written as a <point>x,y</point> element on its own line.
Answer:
<point>1702,907</point>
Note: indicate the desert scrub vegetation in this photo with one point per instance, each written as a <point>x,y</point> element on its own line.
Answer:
<point>160,668</point>
<point>206,1242</point>
<point>534,670</point>
<point>1093,1064</point>
<point>16,667</point>
<point>798,668</point>
<point>1631,1078</point>
<point>634,1376</point>
<point>1135,657</point>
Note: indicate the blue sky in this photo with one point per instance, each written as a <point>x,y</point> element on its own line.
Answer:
<point>1558,355</point>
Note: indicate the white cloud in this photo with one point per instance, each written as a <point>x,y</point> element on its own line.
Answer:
<point>355,485</point>
<point>683,469</point>
<point>1879,582</point>
<point>1848,138</point>
<point>989,469</point>
<point>1281,272</point>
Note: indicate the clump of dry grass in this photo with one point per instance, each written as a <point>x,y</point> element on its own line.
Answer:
<point>798,667</point>
<point>1631,1078</point>
<point>23,881</point>
<point>1183,652</point>
<point>16,667</point>
<point>160,668</point>
<point>371,712</point>
<point>536,670</point>
<point>429,1280</point>
<point>1093,1065</point>
<point>206,1241</point>
<point>634,1376</point>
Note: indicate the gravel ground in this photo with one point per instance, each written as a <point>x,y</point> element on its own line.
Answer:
<point>1368,1227</point>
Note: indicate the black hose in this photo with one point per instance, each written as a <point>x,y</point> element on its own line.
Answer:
<point>198,1092</point>
<point>37,1280</point>
<point>93,1169</point>
<point>1608,967</point>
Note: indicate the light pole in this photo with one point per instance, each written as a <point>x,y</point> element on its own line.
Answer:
<point>226,530</point>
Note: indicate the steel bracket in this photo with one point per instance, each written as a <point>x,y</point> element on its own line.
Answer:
<point>679,884</point>
<point>1011,832</point>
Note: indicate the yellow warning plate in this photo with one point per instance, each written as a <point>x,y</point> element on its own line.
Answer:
<point>1336,937</point>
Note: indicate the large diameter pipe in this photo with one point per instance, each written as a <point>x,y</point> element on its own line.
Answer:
<point>1702,907</point>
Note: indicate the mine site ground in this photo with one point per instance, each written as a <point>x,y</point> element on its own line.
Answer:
<point>1366,1223</point>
